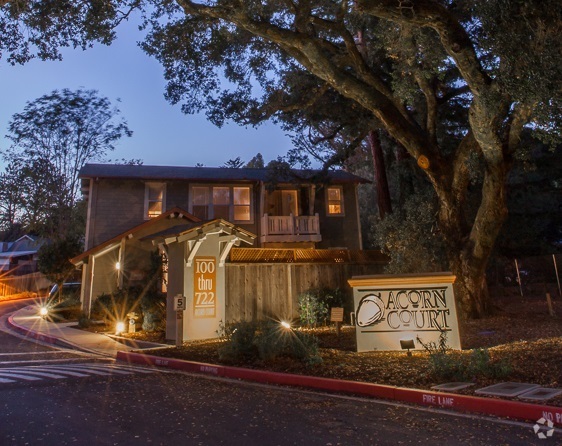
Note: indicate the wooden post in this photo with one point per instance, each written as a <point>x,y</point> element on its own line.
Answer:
<point>549,302</point>
<point>179,328</point>
<point>557,276</point>
<point>518,278</point>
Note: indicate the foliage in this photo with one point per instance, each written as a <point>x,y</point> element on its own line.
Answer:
<point>409,236</point>
<point>314,305</point>
<point>53,258</point>
<point>446,365</point>
<point>115,306</point>
<point>266,341</point>
<point>52,139</point>
<point>67,309</point>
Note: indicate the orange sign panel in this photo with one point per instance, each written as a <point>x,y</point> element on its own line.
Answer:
<point>204,287</point>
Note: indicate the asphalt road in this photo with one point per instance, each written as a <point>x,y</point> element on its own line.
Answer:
<point>172,408</point>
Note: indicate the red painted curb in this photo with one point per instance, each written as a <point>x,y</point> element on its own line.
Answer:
<point>464,403</point>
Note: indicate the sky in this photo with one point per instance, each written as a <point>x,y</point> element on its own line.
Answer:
<point>162,134</point>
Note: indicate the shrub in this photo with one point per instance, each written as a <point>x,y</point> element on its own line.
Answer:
<point>115,306</point>
<point>153,306</point>
<point>444,364</point>
<point>314,305</point>
<point>68,309</point>
<point>250,341</point>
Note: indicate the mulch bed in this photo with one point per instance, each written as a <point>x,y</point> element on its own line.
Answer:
<point>520,332</point>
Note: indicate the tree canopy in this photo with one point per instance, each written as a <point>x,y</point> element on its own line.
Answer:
<point>453,83</point>
<point>52,139</point>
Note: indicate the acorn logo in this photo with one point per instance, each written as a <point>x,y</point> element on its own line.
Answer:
<point>370,310</point>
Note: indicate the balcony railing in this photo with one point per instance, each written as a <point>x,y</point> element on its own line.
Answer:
<point>290,228</point>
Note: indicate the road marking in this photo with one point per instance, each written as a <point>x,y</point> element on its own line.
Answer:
<point>83,370</point>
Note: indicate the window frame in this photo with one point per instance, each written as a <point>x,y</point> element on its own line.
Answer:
<point>147,201</point>
<point>231,205</point>
<point>341,202</point>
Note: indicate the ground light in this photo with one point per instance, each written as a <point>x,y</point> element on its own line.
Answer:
<point>286,325</point>
<point>43,311</point>
<point>119,327</point>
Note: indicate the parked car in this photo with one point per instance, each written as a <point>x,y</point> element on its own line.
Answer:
<point>69,290</point>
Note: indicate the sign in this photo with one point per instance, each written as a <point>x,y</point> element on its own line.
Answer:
<point>179,302</point>
<point>336,314</point>
<point>204,287</point>
<point>393,311</point>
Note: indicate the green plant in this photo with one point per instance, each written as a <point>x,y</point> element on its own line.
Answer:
<point>115,306</point>
<point>314,305</point>
<point>84,321</point>
<point>252,341</point>
<point>66,310</point>
<point>445,364</point>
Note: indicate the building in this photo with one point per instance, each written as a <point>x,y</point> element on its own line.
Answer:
<point>195,215</point>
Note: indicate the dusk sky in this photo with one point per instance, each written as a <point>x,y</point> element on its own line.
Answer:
<point>163,135</point>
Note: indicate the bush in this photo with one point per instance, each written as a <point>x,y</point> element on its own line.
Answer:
<point>314,305</point>
<point>250,341</point>
<point>115,306</point>
<point>153,306</point>
<point>68,309</point>
<point>446,365</point>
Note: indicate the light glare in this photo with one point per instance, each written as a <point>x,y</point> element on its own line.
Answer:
<point>43,311</point>
<point>286,325</point>
<point>120,327</point>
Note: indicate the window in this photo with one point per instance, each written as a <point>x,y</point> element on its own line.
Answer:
<point>154,194</point>
<point>227,202</point>
<point>242,204</point>
<point>334,197</point>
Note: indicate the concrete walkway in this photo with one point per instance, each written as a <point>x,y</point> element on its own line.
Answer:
<point>28,323</point>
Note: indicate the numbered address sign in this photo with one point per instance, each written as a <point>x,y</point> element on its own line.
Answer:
<point>204,287</point>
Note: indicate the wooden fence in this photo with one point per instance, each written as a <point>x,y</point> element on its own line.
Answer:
<point>260,291</point>
<point>34,283</point>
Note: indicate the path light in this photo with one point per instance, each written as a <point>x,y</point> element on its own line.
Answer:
<point>286,325</point>
<point>119,327</point>
<point>407,344</point>
<point>43,311</point>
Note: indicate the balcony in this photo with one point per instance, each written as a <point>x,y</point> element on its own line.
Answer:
<point>290,228</point>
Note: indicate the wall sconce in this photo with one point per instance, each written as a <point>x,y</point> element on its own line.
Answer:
<point>117,266</point>
<point>407,344</point>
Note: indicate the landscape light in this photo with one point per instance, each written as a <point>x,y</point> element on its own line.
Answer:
<point>119,327</point>
<point>43,311</point>
<point>286,325</point>
<point>407,344</point>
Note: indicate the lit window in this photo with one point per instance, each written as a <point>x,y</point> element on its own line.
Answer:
<point>335,200</point>
<point>154,199</point>
<point>242,203</point>
<point>226,202</point>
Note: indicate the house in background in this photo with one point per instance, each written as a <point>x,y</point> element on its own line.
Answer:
<point>194,216</point>
<point>20,257</point>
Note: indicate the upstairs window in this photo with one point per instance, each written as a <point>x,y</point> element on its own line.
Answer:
<point>154,194</point>
<point>227,202</point>
<point>334,200</point>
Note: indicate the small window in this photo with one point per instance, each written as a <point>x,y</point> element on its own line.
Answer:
<point>335,200</point>
<point>154,199</point>
<point>242,204</point>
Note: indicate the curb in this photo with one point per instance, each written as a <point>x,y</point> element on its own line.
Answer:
<point>460,403</point>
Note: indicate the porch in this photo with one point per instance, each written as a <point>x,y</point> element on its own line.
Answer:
<point>290,228</point>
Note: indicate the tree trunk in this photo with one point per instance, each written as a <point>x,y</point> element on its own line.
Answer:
<point>383,192</point>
